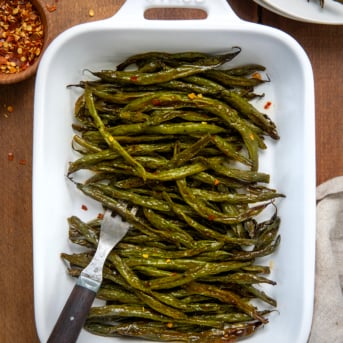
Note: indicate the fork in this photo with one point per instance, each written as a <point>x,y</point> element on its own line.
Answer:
<point>75,311</point>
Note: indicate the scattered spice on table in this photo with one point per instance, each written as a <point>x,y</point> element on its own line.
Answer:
<point>91,12</point>
<point>51,8</point>
<point>10,156</point>
<point>21,35</point>
<point>8,109</point>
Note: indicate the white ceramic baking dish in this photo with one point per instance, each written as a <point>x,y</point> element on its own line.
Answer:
<point>290,161</point>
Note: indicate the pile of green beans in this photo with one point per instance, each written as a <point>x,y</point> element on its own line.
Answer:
<point>178,138</point>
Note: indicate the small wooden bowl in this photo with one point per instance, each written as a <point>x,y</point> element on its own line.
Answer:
<point>31,70</point>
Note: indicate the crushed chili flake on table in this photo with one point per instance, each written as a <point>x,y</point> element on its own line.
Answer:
<point>91,12</point>
<point>10,156</point>
<point>51,8</point>
<point>21,35</point>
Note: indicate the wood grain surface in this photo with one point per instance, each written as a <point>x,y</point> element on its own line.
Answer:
<point>324,46</point>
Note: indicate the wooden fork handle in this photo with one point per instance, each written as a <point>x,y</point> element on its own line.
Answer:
<point>73,316</point>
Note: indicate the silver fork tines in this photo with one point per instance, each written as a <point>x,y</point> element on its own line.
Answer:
<point>112,230</point>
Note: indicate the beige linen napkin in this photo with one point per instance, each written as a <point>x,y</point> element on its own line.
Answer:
<point>327,326</point>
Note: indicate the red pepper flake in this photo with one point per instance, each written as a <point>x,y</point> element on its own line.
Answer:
<point>91,12</point>
<point>134,78</point>
<point>216,182</point>
<point>51,8</point>
<point>267,105</point>
<point>22,162</point>
<point>156,102</point>
<point>10,156</point>
<point>100,216</point>
<point>21,35</point>
<point>84,207</point>
<point>211,217</point>
<point>257,76</point>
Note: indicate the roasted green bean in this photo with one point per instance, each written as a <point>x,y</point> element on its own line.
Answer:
<point>167,333</point>
<point>197,58</point>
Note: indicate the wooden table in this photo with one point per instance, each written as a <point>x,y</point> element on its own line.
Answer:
<point>324,45</point>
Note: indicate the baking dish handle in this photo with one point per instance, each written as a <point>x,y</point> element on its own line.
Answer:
<point>132,11</point>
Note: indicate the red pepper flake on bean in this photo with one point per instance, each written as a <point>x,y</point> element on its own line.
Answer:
<point>211,217</point>
<point>21,35</point>
<point>216,182</point>
<point>256,76</point>
<point>84,207</point>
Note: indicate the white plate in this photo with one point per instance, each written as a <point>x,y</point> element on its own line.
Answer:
<point>272,9</point>
<point>302,10</point>
<point>290,161</point>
